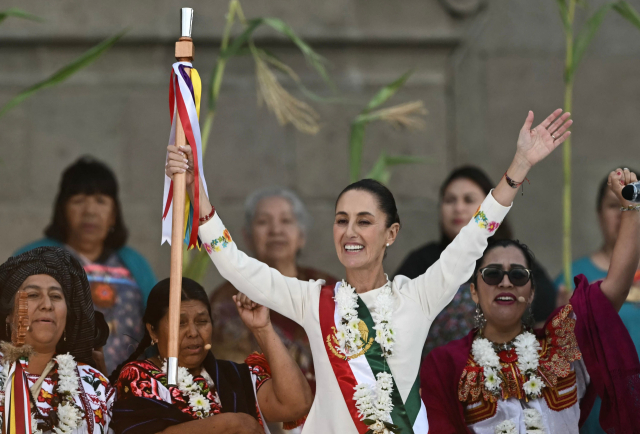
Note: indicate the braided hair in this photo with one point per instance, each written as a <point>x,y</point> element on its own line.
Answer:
<point>157,308</point>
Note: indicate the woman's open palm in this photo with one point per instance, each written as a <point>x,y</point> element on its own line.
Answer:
<point>535,144</point>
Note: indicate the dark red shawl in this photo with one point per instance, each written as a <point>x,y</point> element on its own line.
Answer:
<point>607,350</point>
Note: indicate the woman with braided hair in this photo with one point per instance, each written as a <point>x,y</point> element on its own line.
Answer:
<point>49,384</point>
<point>212,395</point>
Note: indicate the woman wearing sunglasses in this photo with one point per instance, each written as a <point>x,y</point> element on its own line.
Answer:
<point>504,378</point>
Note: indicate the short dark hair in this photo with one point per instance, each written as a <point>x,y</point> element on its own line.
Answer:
<point>87,176</point>
<point>480,178</point>
<point>383,195</point>
<point>157,308</point>
<point>602,190</point>
<point>526,251</point>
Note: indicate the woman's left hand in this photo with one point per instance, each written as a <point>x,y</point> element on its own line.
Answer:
<point>253,315</point>
<point>535,144</point>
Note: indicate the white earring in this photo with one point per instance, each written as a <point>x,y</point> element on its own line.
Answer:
<point>387,244</point>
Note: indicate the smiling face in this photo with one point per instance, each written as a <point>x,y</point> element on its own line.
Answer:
<point>47,312</point>
<point>89,218</point>
<point>360,232</point>
<point>275,233</point>
<point>499,303</point>
<point>460,200</point>
<point>195,333</point>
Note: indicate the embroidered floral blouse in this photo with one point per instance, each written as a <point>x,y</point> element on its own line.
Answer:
<point>145,380</point>
<point>95,399</point>
<point>564,378</point>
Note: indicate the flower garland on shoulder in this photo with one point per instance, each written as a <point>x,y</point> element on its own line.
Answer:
<point>197,401</point>
<point>374,404</point>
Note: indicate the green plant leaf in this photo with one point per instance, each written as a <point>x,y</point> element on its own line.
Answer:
<point>381,169</point>
<point>356,144</point>
<point>18,13</point>
<point>314,59</point>
<point>585,36</point>
<point>197,265</point>
<point>65,72</point>
<point>627,12</point>
<point>241,39</point>
<point>564,15</point>
<point>387,92</point>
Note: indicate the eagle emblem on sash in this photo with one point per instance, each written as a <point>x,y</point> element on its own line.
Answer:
<point>363,345</point>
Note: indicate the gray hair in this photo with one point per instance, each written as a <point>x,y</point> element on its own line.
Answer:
<point>299,210</point>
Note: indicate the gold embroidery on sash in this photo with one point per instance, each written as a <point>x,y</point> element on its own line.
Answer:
<point>364,344</point>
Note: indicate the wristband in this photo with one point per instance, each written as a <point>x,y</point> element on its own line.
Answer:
<point>209,216</point>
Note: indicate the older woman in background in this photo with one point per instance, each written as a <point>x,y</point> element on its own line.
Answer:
<point>460,196</point>
<point>276,222</point>
<point>87,222</point>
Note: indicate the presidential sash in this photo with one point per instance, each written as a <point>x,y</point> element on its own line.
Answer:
<point>362,367</point>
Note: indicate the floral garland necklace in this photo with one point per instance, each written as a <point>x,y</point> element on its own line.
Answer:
<point>374,404</point>
<point>527,359</point>
<point>69,414</point>
<point>198,403</point>
<point>532,423</point>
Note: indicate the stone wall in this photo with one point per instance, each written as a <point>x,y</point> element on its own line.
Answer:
<point>477,74</point>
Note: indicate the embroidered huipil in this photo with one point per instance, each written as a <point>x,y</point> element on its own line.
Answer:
<point>96,398</point>
<point>143,379</point>
<point>561,365</point>
<point>416,303</point>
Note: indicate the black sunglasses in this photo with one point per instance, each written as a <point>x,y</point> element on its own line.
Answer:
<point>517,276</point>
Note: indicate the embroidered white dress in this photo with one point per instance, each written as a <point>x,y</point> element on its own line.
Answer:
<point>417,302</point>
<point>96,399</point>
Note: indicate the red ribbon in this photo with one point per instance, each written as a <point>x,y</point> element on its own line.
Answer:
<point>341,369</point>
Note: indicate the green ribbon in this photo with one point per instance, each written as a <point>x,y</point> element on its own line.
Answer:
<point>403,414</point>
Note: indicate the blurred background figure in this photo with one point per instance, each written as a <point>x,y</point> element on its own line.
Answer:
<point>595,267</point>
<point>275,227</point>
<point>460,196</point>
<point>87,221</point>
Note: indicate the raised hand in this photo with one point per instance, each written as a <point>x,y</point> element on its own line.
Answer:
<point>534,144</point>
<point>617,180</point>
<point>180,160</point>
<point>253,315</point>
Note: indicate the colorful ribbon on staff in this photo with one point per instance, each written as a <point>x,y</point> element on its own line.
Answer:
<point>184,95</point>
<point>17,408</point>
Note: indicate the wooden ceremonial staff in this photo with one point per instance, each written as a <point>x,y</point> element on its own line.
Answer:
<point>184,53</point>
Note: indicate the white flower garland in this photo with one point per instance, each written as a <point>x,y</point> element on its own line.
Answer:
<point>347,332</point>
<point>532,423</point>
<point>527,349</point>
<point>198,403</point>
<point>375,405</point>
<point>69,414</point>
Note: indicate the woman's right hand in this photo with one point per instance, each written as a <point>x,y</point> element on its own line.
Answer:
<point>180,160</point>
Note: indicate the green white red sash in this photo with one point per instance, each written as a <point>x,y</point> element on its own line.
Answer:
<point>410,416</point>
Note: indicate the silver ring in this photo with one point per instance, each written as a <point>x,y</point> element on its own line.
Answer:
<point>554,137</point>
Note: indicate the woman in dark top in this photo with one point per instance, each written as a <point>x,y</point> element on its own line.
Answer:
<point>460,196</point>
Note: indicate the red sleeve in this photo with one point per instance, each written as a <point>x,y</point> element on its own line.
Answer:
<point>435,394</point>
<point>135,380</point>
<point>259,367</point>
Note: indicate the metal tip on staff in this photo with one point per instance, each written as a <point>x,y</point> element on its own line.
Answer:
<point>186,22</point>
